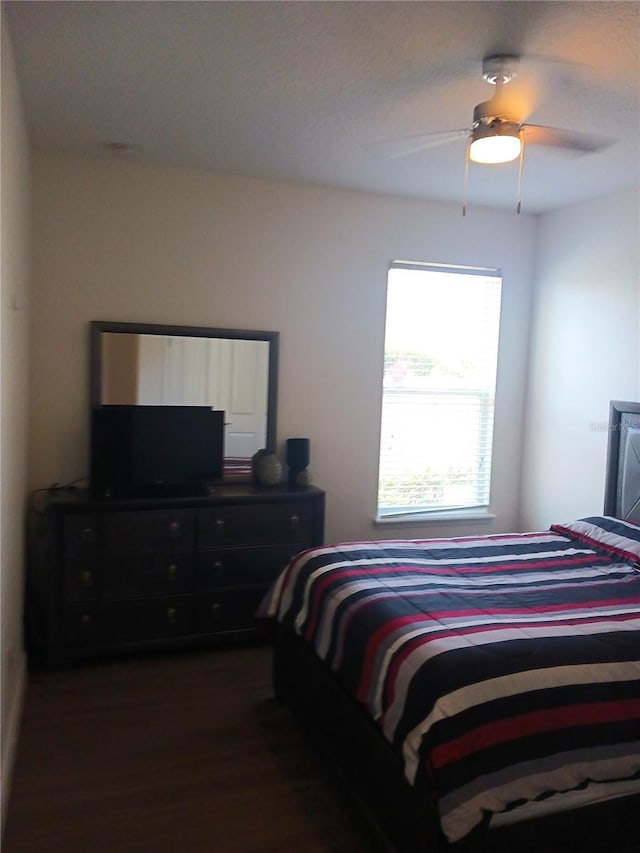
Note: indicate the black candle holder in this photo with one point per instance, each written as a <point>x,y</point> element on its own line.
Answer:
<point>298,451</point>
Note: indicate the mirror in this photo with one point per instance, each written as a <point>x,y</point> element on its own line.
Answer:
<point>228,369</point>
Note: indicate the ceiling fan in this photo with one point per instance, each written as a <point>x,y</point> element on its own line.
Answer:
<point>498,132</point>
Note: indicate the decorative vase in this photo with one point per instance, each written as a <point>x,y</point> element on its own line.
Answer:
<point>302,478</point>
<point>268,470</point>
<point>255,460</point>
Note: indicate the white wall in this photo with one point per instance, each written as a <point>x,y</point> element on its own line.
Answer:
<point>118,240</point>
<point>13,414</point>
<point>584,353</point>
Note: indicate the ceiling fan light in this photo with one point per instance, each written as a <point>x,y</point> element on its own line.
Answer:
<point>495,145</point>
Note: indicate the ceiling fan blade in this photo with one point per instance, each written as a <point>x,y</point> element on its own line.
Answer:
<point>585,143</point>
<point>392,149</point>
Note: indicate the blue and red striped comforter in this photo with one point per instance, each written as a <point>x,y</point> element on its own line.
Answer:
<point>507,666</point>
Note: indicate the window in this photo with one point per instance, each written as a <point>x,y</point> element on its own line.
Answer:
<point>440,360</point>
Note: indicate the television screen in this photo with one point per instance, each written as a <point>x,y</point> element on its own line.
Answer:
<point>155,450</point>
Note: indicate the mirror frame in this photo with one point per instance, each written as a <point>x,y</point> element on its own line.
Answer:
<point>97,327</point>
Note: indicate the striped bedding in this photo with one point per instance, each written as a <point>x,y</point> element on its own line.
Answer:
<point>506,666</point>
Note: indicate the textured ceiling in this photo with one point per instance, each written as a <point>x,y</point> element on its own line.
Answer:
<point>299,90</point>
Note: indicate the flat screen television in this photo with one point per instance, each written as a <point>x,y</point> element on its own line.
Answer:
<point>155,450</point>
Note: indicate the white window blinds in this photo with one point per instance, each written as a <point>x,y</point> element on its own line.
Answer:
<point>441,353</point>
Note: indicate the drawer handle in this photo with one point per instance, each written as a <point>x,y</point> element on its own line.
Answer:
<point>85,619</point>
<point>216,610</point>
<point>88,534</point>
<point>294,522</point>
<point>174,529</point>
<point>218,568</point>
<point>219,526</point>
<point>171,615</point>
<point>172,572</point>
<point>86,578</point>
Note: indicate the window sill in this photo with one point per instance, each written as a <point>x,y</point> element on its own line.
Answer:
<point>450,515</point>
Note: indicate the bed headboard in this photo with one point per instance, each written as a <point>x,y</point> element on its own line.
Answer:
<point>622,488</point>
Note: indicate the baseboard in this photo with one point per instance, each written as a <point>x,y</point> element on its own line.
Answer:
<point>10,741</point>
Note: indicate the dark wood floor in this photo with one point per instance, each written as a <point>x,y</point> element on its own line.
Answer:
<point>175,753</point>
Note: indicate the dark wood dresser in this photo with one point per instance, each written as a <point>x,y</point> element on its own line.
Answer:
<point>109,576</point>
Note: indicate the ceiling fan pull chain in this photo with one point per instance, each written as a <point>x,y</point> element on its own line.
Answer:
<point>520,165</point>
<point>466,177</point>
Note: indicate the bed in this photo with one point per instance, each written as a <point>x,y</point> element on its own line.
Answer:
<point>478,693</point>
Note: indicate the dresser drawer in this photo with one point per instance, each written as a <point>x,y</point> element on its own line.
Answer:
<point>154,618</point>
<point>227,610</point>
<point>269,524</point>
<point>86,625</point>
<point>165,573</point>
<point>242,566</point>
<point>81,535</point>
<point>127,621</point>
<point>140,532</point>
<point>82,579</point>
